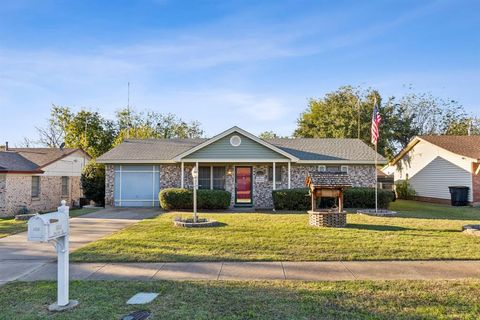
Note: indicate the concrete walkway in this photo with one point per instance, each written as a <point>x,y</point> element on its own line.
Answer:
<point>19,257</point>
<point>308,271</point>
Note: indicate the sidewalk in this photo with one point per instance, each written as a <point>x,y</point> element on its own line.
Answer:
<point>308,271</point>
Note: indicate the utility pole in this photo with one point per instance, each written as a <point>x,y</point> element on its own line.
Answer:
<point>128,110</point>
<point>358,119</point>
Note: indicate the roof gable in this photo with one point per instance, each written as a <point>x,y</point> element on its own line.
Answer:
<point>468,146</point>
<point>220,148</point>
<point>464,146</point>
<point>45,156</point>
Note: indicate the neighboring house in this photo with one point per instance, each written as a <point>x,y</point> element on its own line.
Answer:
<point>39,178</point>
<point>235,160</point>
<point>433,163</point>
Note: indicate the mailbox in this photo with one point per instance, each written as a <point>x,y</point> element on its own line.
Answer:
<point>46,227</point>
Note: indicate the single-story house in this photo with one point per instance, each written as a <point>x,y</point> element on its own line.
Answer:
<point>433,163</point>
<point>234,160</point>
<point>37,179</point>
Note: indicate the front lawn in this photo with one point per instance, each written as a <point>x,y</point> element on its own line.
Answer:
<point>425,210</point>
<point>251,300</point>
<point>288,237</point>
<point>9,226</point>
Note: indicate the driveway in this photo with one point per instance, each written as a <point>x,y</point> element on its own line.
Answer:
<point>19,257</point>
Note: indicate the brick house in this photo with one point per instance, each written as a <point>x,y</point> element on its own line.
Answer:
<point>234,160</point>
<point>39,178</point>
<point>433,163</point>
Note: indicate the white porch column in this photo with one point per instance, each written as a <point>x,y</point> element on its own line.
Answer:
<point>274,180</point>
<point>211,177</point>
<point>182,167</point>
<point>198,173</point>
<point>289,167</point>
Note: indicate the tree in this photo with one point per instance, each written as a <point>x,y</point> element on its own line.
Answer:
<point>337,115</point>
<point>53,134</point>
<point>93,181</point>
<point>91,132</point>
<point>132,124</point>
<point>463,126</point>
<point>265,135</point>
<point>346,113</point>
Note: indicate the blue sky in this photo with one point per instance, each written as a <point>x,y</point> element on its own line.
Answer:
<point>248,63</point>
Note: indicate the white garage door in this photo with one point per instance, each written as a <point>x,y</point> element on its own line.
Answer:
<point>136,185</point>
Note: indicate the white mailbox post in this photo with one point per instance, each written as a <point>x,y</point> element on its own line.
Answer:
<point>54,228</point>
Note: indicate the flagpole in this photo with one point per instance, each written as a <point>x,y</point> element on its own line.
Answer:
<point>376,180</point>
<point>376,153</point>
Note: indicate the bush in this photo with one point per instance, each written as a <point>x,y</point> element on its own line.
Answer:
<point>177,198</point>
<point>292,199</point>
<point>299,199</point>
<point>364,198</point>
<point>404,190</point>
<point>93,182</point>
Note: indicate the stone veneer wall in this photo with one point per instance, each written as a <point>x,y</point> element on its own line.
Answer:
<point>17,193</point>
<point>109,184</point>
<point>3,189</point>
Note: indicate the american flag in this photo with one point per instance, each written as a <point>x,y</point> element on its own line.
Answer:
<point>376,118</point>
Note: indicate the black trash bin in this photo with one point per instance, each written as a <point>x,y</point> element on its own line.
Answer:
<point>459,195</point>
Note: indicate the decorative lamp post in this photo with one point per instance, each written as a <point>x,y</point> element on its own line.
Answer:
<point>195,186</point>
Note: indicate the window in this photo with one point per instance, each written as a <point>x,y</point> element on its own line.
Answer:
<point>204,178</point>
<point>219,178</point>
<point>330,168</point>
<point>278,174</point>
<point>35,187</point>
<point>211,178</point>
<point>65,184</point>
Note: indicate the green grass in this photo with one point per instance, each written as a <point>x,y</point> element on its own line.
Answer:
<point>424,210</point>
<point>9,226</point>
<point>251,300</point>
<point>288,237</point>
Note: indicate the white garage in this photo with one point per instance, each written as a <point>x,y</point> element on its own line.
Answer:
<point>136,185</point>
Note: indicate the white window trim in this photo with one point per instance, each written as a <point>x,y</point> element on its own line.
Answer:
<point>322,168</point>
<point>344,169</point>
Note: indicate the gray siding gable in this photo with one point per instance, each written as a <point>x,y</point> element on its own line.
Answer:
<point>248,149</point>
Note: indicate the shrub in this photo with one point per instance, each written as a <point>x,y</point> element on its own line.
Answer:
<point>177,198</point>
<point>404,190</point>
<point>93,182</point>
<point>291,199</point>
<point>365,198</point>
<point>299,199</point>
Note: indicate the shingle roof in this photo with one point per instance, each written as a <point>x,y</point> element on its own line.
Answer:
<point>302,148</point>
<point>150,149</point>
<point>468,146</point>
<point>327,149</point>
<point>43,156</point>
<point>329,179</point>
<point>13,162</point>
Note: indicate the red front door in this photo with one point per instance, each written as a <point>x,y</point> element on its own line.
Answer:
<point>243,190</point>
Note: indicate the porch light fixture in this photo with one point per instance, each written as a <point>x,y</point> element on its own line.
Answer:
<point>229,171</point>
